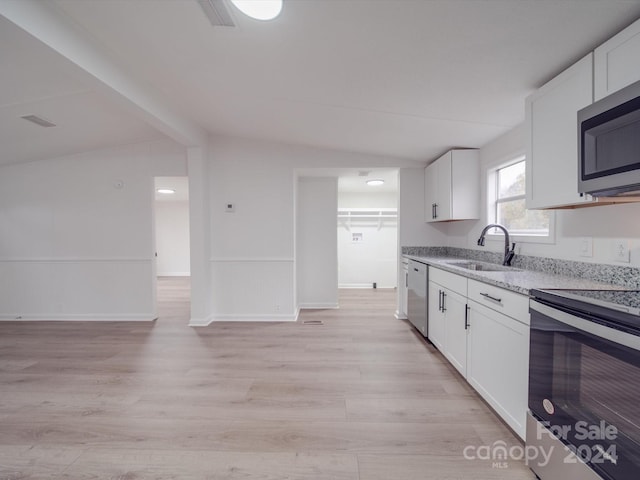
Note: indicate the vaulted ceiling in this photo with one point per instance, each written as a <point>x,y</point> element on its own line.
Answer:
<point>399,78</point>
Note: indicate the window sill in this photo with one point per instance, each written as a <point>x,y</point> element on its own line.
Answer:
<point>549,239</point>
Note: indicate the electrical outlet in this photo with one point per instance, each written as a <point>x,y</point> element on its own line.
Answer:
<point>586,247</point>
<point>229,207</point>
<point>621,250</point>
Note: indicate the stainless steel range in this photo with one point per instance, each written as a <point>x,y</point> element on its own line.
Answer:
<point>584,385</point>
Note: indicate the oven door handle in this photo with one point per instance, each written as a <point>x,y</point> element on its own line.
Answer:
<point>586,325</point>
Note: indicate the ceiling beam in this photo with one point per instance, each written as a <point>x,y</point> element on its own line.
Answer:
<point>52,27</point>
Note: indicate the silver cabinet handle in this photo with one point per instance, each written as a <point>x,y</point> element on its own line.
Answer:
<point>486,295</point>
<point>444,308</point>
<point>466,317</point>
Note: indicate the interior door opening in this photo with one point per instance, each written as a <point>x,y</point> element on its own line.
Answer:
<point>172,255</point>
<point>368,230</point>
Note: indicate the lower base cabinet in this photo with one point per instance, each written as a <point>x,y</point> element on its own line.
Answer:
<point>447,316</point>
<point>485,335</point>
<point>498,366</point>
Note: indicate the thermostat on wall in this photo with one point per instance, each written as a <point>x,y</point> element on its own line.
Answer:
<point>229,208</point>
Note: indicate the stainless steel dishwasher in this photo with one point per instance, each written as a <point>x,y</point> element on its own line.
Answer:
<point>417,296</point>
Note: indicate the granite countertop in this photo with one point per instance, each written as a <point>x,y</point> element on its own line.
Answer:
<point>516,280</point>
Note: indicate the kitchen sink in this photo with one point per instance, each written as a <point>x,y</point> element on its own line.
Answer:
<point>482,266</point>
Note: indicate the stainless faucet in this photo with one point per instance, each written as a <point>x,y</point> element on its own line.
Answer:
<point>508,253</point>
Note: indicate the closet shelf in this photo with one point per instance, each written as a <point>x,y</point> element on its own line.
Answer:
<point>346,216</point>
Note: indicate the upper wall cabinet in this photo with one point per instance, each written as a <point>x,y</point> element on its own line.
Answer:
<point>616,62</point>
<point>552,137</point>
<point>452,187</point>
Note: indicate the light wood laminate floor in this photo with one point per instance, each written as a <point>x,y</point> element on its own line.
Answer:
<point>356,395</point>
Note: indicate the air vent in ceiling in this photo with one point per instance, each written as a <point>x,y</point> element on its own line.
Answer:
<point>38,120</point>
<point>217,13</point>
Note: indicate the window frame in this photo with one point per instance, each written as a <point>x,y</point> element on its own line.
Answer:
<point>493,202</point>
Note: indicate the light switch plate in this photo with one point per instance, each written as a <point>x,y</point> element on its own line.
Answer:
<point>586,247</point>
<point>621,250</point>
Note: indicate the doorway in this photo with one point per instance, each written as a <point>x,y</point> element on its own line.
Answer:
<point>368,229</point>
<point>171,211</point>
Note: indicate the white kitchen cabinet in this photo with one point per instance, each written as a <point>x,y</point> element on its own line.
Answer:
<point>483,330</point>
<point>436,316</point>
<point>616,62</point>
<point>403,290</point>
<point>551,133</point>
<point>452,187</point>
<point>455,330</point>
<point>447,316</point>
<point>498,351</point>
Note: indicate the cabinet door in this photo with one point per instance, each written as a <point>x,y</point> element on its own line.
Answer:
<point>436,332</point>
<point>551,133</point>
<point>498,363</point>
<point>465,185</point>
<point>616,62</point>
<point>403,292</point>
<point>455,331</point>
<point>443,201</point>
<point>430,192</point>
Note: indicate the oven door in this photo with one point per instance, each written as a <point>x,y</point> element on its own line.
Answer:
<point>584,385</point>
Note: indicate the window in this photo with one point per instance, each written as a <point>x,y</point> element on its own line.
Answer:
<point>507,202</point>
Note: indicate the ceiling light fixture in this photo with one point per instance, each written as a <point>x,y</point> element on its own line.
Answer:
<point>375,183</point>
<point>259,9</point>
<point>166,191</point>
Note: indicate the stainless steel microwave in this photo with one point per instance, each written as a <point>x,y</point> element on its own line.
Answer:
<point>609,145</point>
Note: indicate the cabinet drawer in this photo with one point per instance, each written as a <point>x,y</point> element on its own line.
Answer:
<point>504,301</point>
<point>453,282</point>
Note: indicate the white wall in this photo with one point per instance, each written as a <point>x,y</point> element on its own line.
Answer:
<point>172,239</point>
<point>252,250</point>
<point>375,259</point>
<point>316,246</point>
<point>368,200</point>
<point>604,224</point>
<point>76,233</point>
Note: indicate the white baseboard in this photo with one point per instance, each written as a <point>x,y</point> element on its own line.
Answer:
<point>400,316</point>
<point>79,317</point>
<point>318,306</point>
<point>174,274</point>
<point>200,322</point>
<point>362,285</point>
<point>203,322</point>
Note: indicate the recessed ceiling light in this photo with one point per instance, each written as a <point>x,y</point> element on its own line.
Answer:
<point>166,191</point>
<point>375,183</point>
<point>259,9</point>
